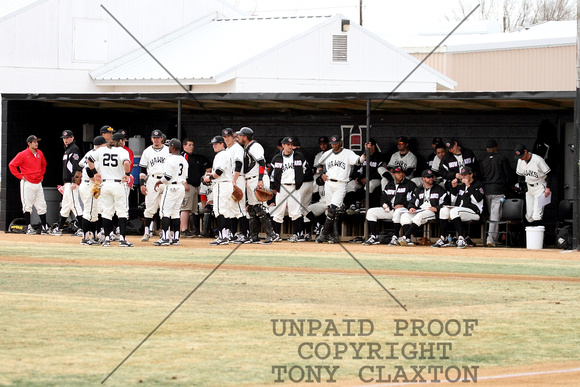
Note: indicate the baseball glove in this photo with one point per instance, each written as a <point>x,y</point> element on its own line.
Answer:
<point>96,189</point>
<point>263,194</point>
<point>237,195</point>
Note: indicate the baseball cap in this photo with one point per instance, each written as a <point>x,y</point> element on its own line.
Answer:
<point>118,136</point>
<point>288,140</point>
<point>245,131</point>
<point>106,129</point>
<point>403,139</point>
<point>323,139</point>
<point>451,143</point>
<point>99,140</point>
<point>491,144</point>
<point>436,140</point>
<point>123,132</point>
<point>465,170</point>
<point>335,139</point>
<point>427,173</point>
<point>519,151</point>
<point>156,133</point>
<point>227,132</point>
<point>296,141</point>
<point>66,133</point>
<point>217,140</point>
<point>279,142</point>
<point>175,143</point>
<point>31,138</point>
<point>398,168</point>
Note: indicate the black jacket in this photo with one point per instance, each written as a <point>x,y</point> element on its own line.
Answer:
<point>450,166</point>
<point>496,174</point>
<point>70,162</point>
<point>401,192</point>
<point>277,165</point>
<point>438,197</point>
<point>197,166</point>
<point>471,197</point>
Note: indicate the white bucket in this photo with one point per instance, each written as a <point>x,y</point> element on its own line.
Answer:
<point>535,237</point>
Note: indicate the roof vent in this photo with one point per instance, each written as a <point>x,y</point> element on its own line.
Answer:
<point>339,48</point>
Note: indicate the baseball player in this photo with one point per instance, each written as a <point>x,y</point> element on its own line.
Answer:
<point>286,180</point>
<point>496,174</point>
<point>394,202</point>
<point>90,204</point>
<point>308,180</point>
<point>354,188</point>
<point>174,178</point>
<point>236,152</point>
<point>107,132</point>
<point>468,206</point>
<point>456,157</point>
<point>71,171</point>
<point>152,167</point>
<point>222,188</point>
<point>254,171</point>
<point>403,158</point>
<point>198,166</point>
<point>535,172</point>
<point>113,165</point>
<point>424,206</point>
<point>29,167</point>
<point>337,164</point>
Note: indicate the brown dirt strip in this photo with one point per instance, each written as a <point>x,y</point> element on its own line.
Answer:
<point>281,269</point>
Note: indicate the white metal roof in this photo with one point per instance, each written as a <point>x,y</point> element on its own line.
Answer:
<point>208,52</point>
<point>549,34</point>
<point>9,8</point>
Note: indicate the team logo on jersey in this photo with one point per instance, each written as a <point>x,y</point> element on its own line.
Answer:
<point>532,174</point>
<point>157,160</point>
<point>402,190</point>
<point>298,163</point>
<point>336,163</point>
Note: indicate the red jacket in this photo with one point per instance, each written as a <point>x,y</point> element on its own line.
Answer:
<point>29,166</point>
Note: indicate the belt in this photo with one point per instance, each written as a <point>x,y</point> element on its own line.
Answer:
<point>86,181</point>
<point>533,185</point>
<point>337,181</point>
<point>288,184</point>
<point>251,177</point>
<point>113,180</point>
<point>175,182</point>
<point>157,176</point>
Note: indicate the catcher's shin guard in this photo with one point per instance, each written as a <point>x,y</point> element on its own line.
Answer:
<point>264,219</point>
<point>336,228</point>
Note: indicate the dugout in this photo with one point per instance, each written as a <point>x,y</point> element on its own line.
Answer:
<point>472,117</point>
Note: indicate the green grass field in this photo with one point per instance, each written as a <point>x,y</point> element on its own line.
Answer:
<point>73,323</point>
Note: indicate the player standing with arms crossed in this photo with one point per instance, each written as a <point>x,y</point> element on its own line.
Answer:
<point>287,179</point>
<point>71,200</point>
<point>221,178</point>
<point>337,163</point>
<point>174,178</point>
<point>152,166</point>
<point>112,162</point>
<point>29,166</point>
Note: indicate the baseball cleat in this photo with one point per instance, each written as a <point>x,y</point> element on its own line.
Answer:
<point>56,232</point>
<point>373,240</point>
<point>440,243</point>
<point>394,241</point>
<point>79,233</point>
<point>125,243</point>
<point>162,242</point>
<point>175,242</point>
<point>461,243</point>
<point>31,231</point>
<point>146,238</point>
<point>293,239</point>
<point>106,243</point>
<point>220,241</point>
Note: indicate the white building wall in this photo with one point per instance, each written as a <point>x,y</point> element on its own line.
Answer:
<point>51,47</point>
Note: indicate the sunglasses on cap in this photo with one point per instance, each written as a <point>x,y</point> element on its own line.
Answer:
<point>400,143</point>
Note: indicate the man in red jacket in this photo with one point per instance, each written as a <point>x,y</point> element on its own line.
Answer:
<point>29,166</point>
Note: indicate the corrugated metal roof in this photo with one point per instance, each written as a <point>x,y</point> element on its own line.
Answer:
<point>9,8</point>
<point>211,51</point>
